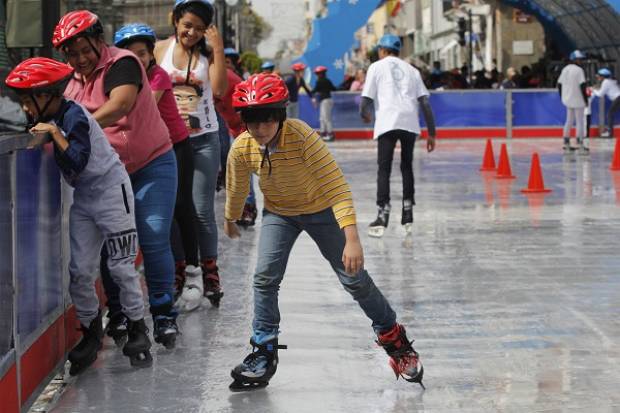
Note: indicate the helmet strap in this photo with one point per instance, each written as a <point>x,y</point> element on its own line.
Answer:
<point>40,112</point>
<point>94,48</point>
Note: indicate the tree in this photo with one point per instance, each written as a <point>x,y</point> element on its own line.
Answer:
<point>251,62</point>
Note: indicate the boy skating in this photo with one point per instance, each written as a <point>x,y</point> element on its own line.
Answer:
<point>304,190</point>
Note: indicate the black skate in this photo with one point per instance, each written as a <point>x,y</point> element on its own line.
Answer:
<point>248,218</point>
<point>378,226</point>
<point>257,368</point>
<point>406,219</point>
<point>567,148</point>
<point>85,353</point>
<point>165,331</point>
<point>138,344</point>
<point>404,360</point>
<point>117,328</point>
<point>211,280</point>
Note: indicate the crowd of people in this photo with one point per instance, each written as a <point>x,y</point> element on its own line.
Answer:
<point>147,129</point>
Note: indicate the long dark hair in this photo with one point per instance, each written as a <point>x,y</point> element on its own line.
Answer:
<point>204,12</point>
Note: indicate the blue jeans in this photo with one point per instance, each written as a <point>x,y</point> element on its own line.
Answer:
<point>277,236</point>
<point>155,191</point>
<point>206,166</point>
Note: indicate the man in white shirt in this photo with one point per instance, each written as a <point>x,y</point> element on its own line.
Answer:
<point>610,89</point>
<point>396,90</point>
<point>572,89</point>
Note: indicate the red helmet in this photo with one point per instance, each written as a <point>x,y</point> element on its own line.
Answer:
<point>39,73</point>
<point>320,69</point>
<point>74,23</point>
<point>260,90</point>
<point>298,66</point>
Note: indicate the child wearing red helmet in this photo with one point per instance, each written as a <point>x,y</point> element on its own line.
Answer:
<point>293,83</point>
<point>304,190</point>
<point>323,88</point>
<point>102,213</point>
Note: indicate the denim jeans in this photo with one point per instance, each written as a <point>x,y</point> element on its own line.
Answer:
<point>155,191</point>
<point>206,166</point>
<point>277,236</point>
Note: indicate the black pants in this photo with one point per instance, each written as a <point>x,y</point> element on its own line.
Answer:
<point>387,143</point>
<point>183,235</point>
<point>615,105</point>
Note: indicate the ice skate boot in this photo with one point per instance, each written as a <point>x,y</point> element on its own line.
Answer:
<point>165,327</point>
<point>138,344</point>
<point>567,147</point>
<point>406,218</point>
<point>211,278</point>
<point>584,148</point>
<point>605,134</point>
<point>258,367</point>
<point>248,218</point>
<point>404,360</point>
<point>328,137</point>
<point>85,353</point>
<point>117,327</point>
<point>191,297</point>
<point>378,226</point>
<point>179,279</point>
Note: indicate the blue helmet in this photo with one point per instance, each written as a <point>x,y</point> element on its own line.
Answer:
<point>390,41</point>
<point>229,51</point>
<point>132,32</point>
<point>267,65</point>
<point>604,72</point>
<point>577,54</point>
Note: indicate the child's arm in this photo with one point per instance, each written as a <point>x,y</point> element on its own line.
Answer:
<point>353,254</point>
<point>237,190</point>
<point>74,151</point>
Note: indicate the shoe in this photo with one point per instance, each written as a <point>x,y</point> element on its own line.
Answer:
<point>606,134</point>
<point>328,137</point>
<point>404,360</point>
<point>248,218</point>
<point>193,289</point>
<point>378,226</point>
<point>258,367</point>
<point>211,279</point>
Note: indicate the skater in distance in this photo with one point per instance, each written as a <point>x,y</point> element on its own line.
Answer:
<point>304,190</point>
<point>396,90</point>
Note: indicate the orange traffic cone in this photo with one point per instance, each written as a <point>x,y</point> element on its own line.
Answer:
<point>536,183</point>
<point>615,163</point>
<point>503,168</point>
<point>488,162</point>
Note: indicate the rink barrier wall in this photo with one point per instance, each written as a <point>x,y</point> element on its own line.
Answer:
<point>37,321</point>
<point>463,114</point>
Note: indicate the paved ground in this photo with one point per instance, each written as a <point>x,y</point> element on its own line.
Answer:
<point>513,302</point>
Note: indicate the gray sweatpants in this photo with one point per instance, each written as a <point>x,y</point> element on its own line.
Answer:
<point>98,217</point>
<point>325,115</point>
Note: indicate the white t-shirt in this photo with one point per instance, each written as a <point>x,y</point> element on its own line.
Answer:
<point>394,86</point>
<point>571,78</point>
<point>609,88</point>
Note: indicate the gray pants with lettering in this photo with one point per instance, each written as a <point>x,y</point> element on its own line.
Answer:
<point>100,217</point>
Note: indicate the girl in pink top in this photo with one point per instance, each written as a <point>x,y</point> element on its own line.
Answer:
<point>140,39</point>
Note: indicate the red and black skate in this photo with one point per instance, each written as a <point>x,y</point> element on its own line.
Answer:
<point>404,360</point>
<point>211,279</point>
<point>248,218</point>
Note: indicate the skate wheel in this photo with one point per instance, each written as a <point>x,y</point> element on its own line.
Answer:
<point>141,360</point>
<point>376,232</point>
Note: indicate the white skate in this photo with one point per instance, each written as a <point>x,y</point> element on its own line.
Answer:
<point>191,297</point>
<point>376,231</point>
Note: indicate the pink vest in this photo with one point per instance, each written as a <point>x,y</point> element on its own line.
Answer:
<point>138,137</point>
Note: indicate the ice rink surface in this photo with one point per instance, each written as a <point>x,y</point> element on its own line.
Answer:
<point>514,301</point>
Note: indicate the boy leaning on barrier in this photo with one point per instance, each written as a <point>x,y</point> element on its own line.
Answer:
<point>102,210</point>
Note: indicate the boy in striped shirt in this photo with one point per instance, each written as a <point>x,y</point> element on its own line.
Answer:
<point>304,190</point>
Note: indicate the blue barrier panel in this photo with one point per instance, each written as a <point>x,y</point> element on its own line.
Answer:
<point>537,109</point>
<point>38,243</point>
<point>468,109</point>
<point>454,109</point>
<point>6,257</point>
